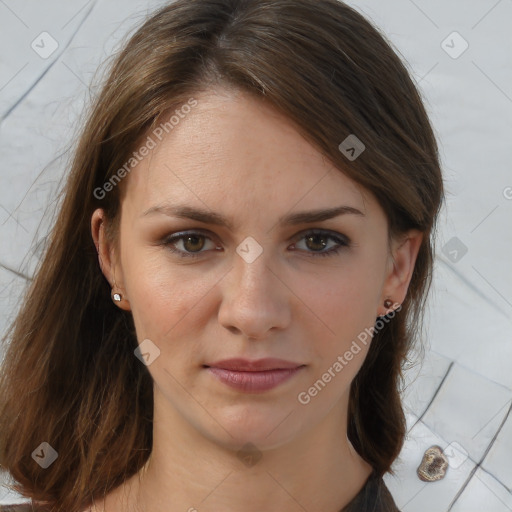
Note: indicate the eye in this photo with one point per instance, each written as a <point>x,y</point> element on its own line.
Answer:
<point>318,241</point>
<point>191,244</point>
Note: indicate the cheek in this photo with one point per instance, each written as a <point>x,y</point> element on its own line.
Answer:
<point>152,289</point>
<point>166,299</point>
<point>346,298</point>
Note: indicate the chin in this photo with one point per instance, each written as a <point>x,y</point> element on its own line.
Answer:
<point>264,427</point>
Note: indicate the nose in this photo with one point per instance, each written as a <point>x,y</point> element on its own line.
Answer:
<point>255,298</point>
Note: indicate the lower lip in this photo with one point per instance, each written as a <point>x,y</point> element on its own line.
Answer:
<point>254,382</point>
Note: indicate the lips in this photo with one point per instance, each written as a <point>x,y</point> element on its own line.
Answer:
<point>253,376</point>
<point>259,365</point>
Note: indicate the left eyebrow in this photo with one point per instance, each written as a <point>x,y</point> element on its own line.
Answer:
<point>319,215</point>
<point>208,217</point>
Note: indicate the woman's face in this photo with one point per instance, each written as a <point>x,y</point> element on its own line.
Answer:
<point>261,275</point>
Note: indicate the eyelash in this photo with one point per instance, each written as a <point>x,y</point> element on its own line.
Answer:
<point>341,240</point>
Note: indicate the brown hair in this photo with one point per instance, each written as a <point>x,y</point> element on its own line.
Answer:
<point>70,377</point>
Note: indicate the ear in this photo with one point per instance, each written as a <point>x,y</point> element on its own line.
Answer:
<point>402,258</point>
<point>107,257</point>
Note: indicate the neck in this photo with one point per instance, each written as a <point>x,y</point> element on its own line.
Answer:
<point>318,470</point>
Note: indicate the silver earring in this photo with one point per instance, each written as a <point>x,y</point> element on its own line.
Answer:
<point>388,303</point>
<point>116,296</point>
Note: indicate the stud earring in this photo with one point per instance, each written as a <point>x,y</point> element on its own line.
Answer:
<point>116,296</point>
<point>388,303</point>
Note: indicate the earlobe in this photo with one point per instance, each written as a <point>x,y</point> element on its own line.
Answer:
<point>405,251</point>
<point>119,300</point>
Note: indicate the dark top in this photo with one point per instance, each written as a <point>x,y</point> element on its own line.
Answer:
<point>373,497</point>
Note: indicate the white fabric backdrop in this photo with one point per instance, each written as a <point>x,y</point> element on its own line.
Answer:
<point>460,54</point>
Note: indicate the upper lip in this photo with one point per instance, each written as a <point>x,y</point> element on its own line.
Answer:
<point>258,365</point>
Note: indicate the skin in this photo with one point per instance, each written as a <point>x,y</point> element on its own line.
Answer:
<point>236,156</point>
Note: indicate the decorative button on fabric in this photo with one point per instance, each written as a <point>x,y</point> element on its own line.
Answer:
<point>433,466</point>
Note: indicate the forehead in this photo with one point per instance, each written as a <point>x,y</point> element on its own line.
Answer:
<point>232,149</point>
